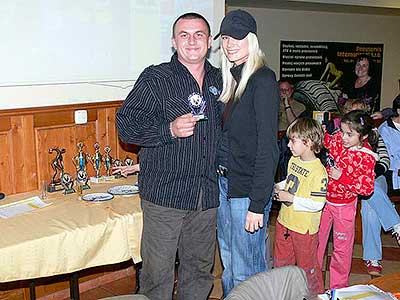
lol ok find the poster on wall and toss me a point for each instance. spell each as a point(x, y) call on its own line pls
point(326, 74)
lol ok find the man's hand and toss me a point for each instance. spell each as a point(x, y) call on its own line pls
point(254, 221)
point(183, 126)
point(126, 170)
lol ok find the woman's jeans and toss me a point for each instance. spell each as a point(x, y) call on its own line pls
point(242, 252)
point(377, 212)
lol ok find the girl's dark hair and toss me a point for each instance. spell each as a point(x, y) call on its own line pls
point(362, 123)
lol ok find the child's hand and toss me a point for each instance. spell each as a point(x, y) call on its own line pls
point(324, 128)
point(276, 189)
point(284, 196)
point(335, 173)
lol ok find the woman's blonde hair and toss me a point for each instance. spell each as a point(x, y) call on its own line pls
point(255, 61)
point(354, 103)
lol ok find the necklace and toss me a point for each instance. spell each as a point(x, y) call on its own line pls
point(362, 81)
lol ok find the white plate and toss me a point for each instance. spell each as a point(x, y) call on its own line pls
point(97, 197)
point(123, 190)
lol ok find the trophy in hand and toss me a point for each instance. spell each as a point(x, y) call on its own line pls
point(96, 160)
point(57, 165)
point(197, 104)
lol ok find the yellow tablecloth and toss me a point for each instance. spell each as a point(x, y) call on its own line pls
point(70, 234)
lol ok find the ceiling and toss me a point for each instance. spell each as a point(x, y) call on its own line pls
point(376, 7)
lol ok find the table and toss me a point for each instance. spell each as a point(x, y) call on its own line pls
point(388, 283)
point(70, 235)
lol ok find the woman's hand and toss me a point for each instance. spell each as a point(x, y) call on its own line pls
point(126, 170)
point(254, 221)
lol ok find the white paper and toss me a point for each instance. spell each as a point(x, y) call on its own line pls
point(369, 292)
point(21, 207)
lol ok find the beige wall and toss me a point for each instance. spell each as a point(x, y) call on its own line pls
point(38, 95)
point(279, 24)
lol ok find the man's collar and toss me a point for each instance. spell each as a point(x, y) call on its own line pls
point(179, 67)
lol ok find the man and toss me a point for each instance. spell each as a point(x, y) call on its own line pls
point(289, 109)
point(178, 180)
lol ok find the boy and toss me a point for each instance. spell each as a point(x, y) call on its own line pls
point(303, 195)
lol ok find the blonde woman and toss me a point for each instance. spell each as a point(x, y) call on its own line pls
point(248, 153)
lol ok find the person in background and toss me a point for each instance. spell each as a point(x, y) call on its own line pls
point(248, 153)
point(365, 86)
point(351, 173)
point(177, 179)
point(377, 211)
point(289, 110)
point(390, 132)
point(303, 195)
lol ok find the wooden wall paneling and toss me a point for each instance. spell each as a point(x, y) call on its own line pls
point(22, 153)
point(67, 137)
point(6, 169)
point(27, 134)
point(88, 134)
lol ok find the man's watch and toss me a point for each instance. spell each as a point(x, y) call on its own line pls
point(287, 107)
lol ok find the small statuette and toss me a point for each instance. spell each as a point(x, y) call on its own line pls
point(197, 104)
point(82, 179)
point(117, 163)
point(57, 165)
point(80, 160)
point(96, 160)
point(108, 163)
point(67, 183)
point(128, 161)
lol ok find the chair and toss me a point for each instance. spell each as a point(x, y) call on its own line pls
point(286, 283)
point(127, 297)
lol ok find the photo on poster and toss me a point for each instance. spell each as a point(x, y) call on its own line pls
point(326, 74)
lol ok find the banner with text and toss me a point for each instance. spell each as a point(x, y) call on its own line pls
point(330, 63)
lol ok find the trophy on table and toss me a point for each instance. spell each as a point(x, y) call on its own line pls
point(108, 163)
point(128, 161)
point(96, 160)
point(117, 163)
point(57, 165)
point(67, 182)
point(80, 161)
point(82, 180)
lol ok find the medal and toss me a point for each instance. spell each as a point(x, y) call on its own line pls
point(197, 104)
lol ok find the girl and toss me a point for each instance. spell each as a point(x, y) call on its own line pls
point(248, 153)
point(351, 173)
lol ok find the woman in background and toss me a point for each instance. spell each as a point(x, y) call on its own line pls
point(365, 86)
